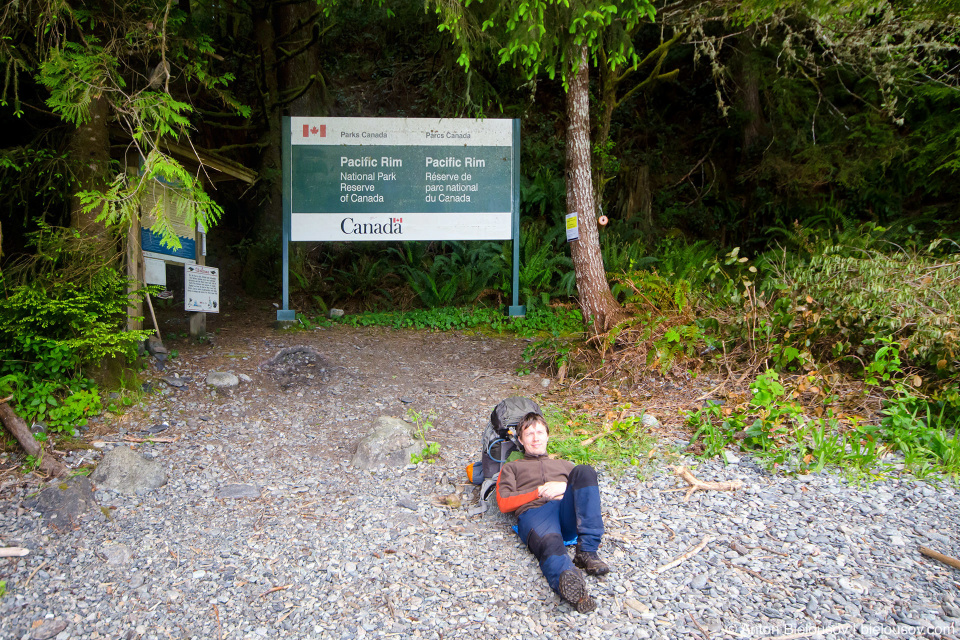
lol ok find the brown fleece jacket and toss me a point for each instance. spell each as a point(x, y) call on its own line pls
point(518, 481)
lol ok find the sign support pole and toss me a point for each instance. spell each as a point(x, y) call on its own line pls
point(516, 309)
point(286, 315)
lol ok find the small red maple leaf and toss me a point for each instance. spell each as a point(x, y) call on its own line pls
point(314, 130)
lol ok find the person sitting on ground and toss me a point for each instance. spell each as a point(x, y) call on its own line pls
point(554, 501)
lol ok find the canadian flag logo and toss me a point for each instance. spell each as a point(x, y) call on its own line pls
point(397, 220)
point(314, 130)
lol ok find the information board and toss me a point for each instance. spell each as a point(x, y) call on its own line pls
point(356, 179)
point(202, 288)
point(166, 196)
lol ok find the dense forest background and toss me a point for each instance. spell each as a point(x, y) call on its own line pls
point(752, 131)
point(778, 176)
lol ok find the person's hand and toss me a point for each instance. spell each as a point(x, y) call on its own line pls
point(552, 490)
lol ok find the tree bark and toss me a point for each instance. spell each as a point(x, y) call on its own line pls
point(298, 26)
point(749, 90)
point(19, 430)
point(635, 195)
point(90, 149)
point(596, 300)
point(269, 86)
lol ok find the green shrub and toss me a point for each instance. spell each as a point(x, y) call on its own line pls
point(61, 313)
point(846, 301)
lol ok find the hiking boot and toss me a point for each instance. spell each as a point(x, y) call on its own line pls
point(574, 590)
point(590, 562)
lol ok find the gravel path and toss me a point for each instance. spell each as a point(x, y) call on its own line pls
point(327, 551)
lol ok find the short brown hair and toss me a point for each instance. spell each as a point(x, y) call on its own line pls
point(529, 420)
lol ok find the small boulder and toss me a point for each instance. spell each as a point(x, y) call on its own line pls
point(222, 379)
point(155, 346)
point(123, 470)
point(116, 555)
point(238, 491)
point(391, 443)
point(64, 503)
point(49, 629)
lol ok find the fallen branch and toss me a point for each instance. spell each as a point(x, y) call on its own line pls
point(216, 613)
point(689, 554)
point(936, 555)
point(607, 431)
point(13, 552)
point(148, 439)
point(700, 485)
point(280, 588)
point(591, 440)
point(33, 573)
point(751, 572)
point(19, 430)
point(706, 634)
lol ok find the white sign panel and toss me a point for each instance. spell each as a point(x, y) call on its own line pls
point(202, 286)
point(154, 271)
point(573, 230)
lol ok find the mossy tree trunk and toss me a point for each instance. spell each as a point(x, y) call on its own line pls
point(596, 300)
point(90, 152)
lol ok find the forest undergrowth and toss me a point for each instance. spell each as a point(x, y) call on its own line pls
point(836, 348)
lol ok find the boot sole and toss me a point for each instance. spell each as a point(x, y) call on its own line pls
point(574, 590)
point(593, 572)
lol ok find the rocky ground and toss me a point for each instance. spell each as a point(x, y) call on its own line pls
point(313, 548)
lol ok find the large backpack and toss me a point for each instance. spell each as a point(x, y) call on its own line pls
point(499, 440)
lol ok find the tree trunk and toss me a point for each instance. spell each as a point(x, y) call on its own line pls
point(302, 72)
point(749, 85)
point(269, 85)
point(19, 430)
point(90, 149)
point(596, 300)
point(635, 196)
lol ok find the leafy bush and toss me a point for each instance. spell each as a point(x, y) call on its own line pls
point(772, 425)
point(61, 406)
point(848, 300)
point(60, 313)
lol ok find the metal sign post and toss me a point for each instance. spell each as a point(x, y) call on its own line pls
point(286, 314)
point(363, 179)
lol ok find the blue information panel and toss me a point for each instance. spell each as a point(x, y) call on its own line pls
point(353, 179)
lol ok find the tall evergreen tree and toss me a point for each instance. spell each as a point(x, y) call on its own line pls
point(560, 38)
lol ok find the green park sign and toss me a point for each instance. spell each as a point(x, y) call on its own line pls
point(401, 179)
point(363, 179)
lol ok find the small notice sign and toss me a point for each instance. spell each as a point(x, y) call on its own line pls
point(573, 231)
point(202, 286)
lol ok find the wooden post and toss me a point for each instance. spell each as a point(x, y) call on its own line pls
point(135, 275)
point(198, 320)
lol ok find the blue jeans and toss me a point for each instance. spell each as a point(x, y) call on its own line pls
point(577, 514)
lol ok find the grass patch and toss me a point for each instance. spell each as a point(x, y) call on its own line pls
point(536, 322)
point(625, 444)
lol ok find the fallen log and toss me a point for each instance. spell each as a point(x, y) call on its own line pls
point(695, 484)
point(936, 555)
point(19, 430)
